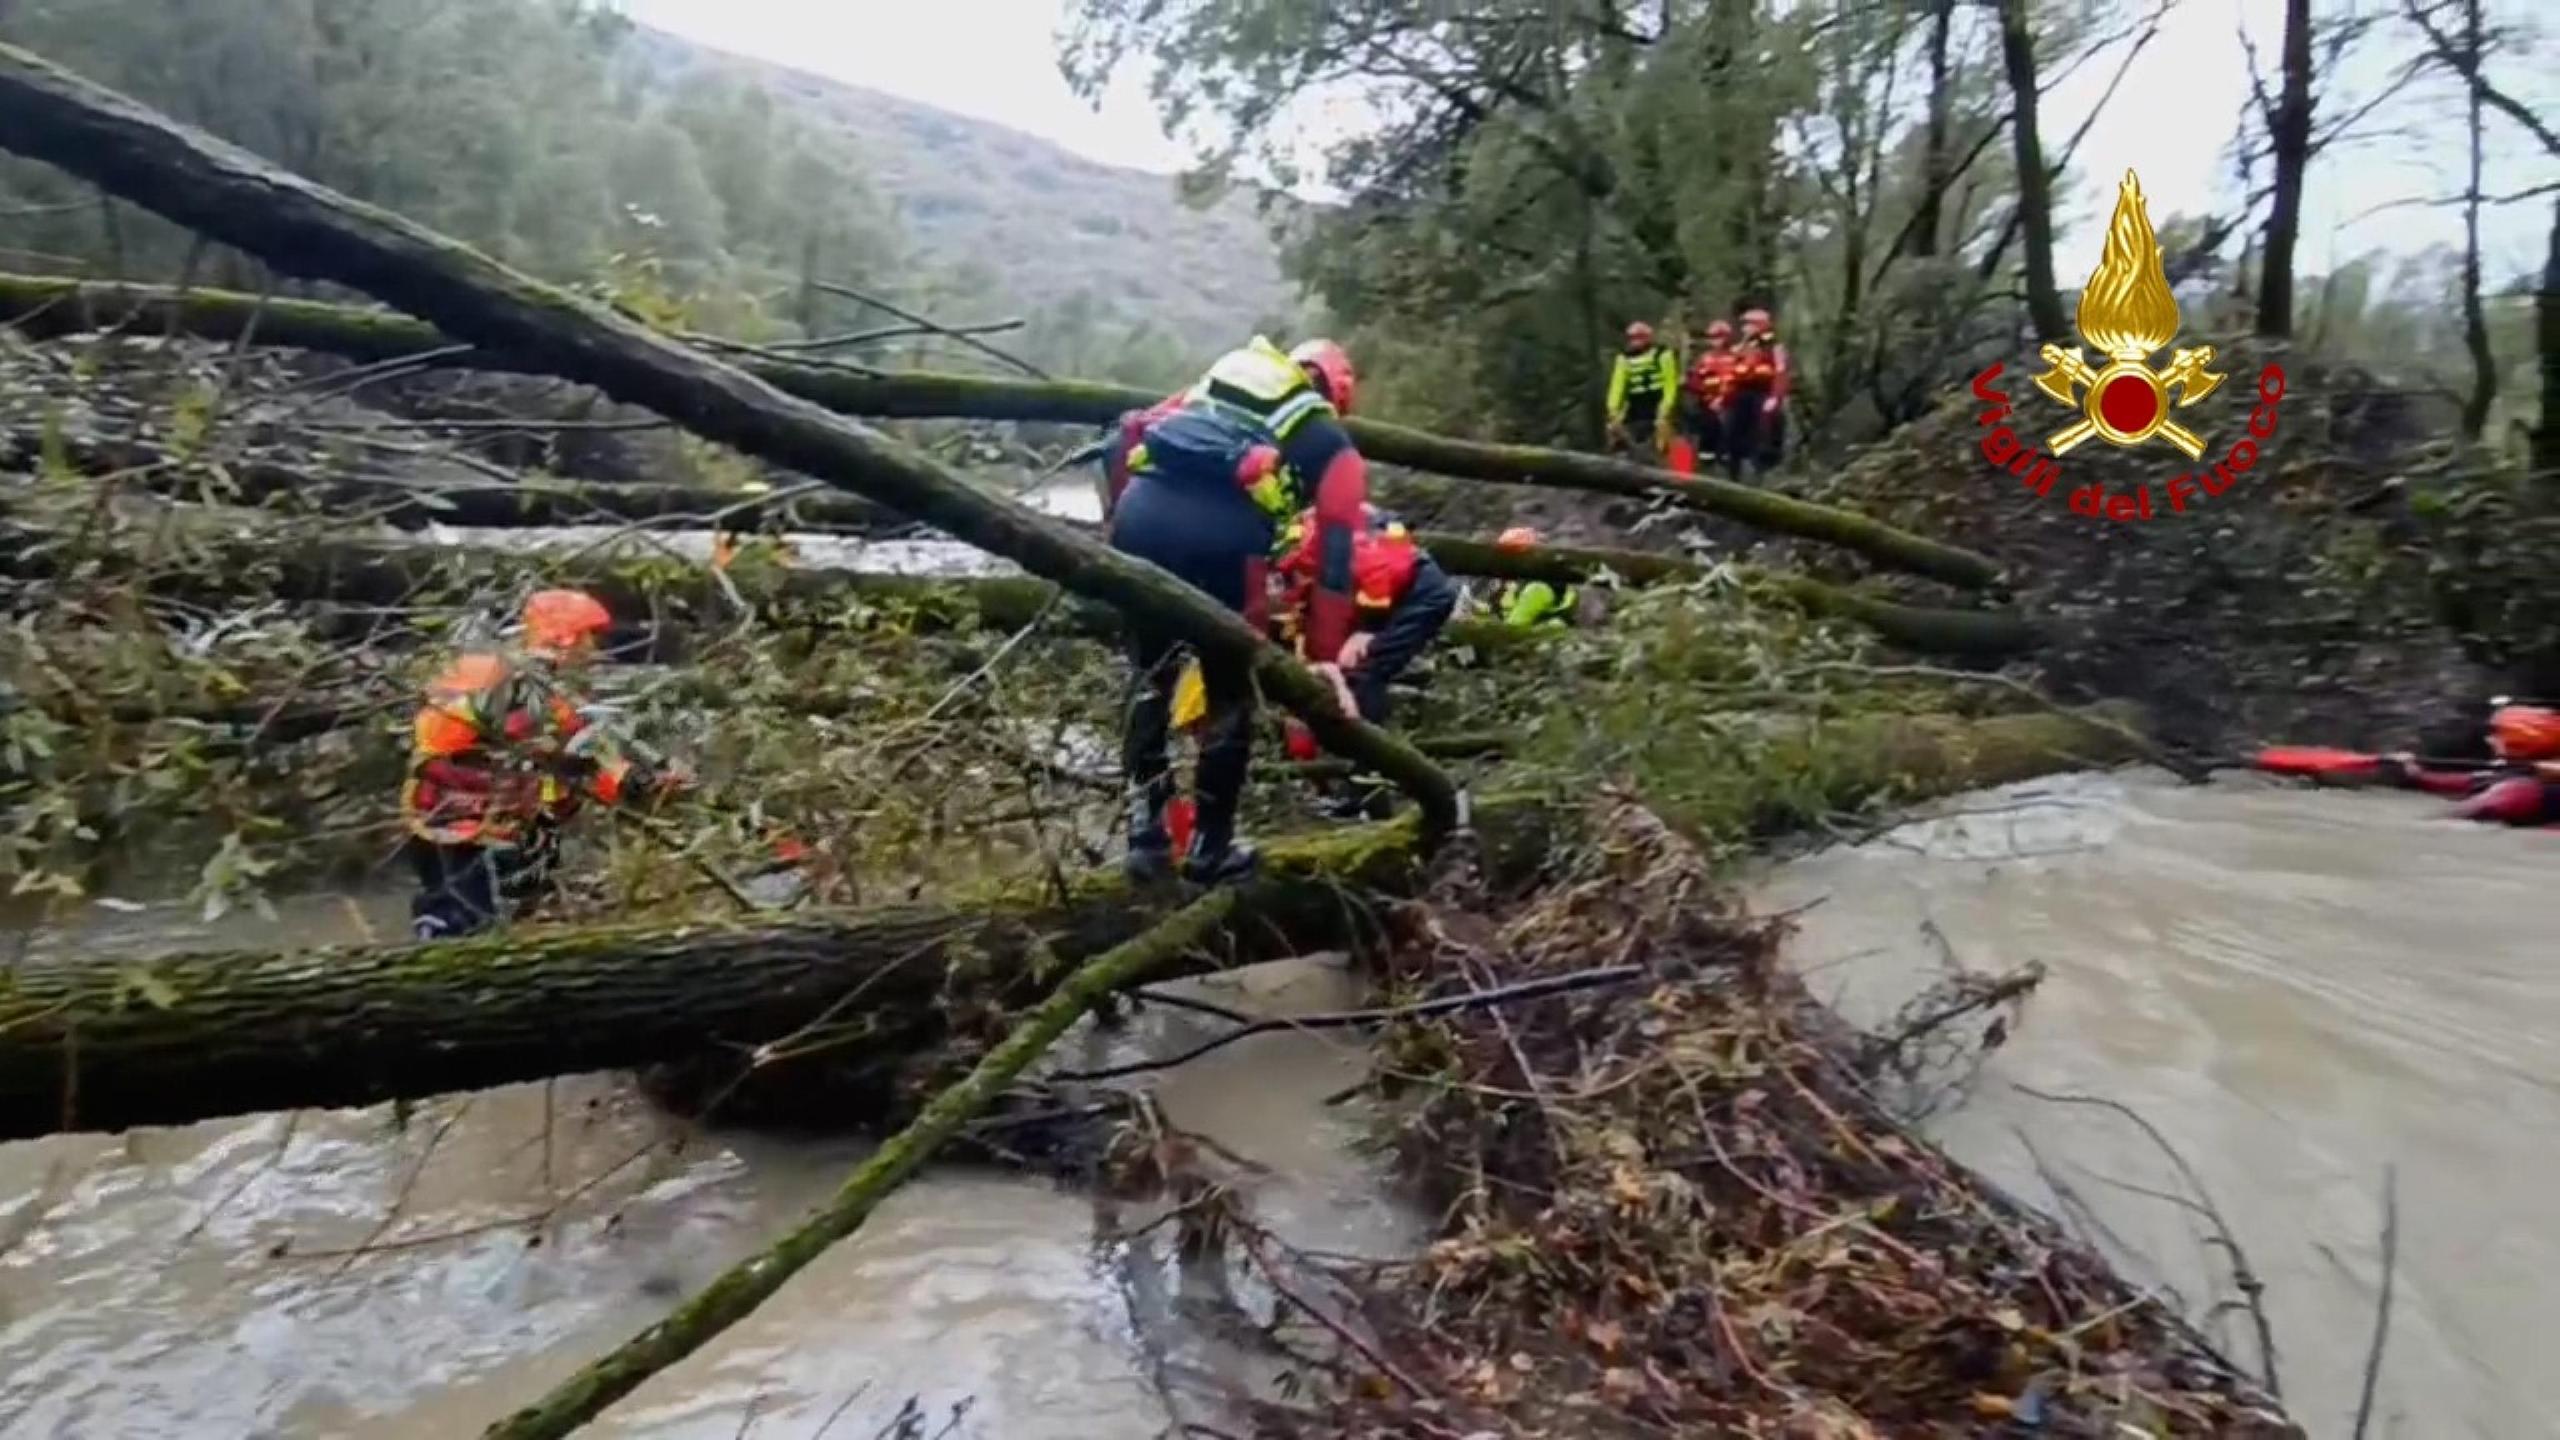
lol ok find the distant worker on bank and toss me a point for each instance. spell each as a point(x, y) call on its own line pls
point(1703, 392)
point(1401, 600)
point(1756, 398)
point(500, 758)
point(1644, 385)
point(1200, 485)
point(2524, 789)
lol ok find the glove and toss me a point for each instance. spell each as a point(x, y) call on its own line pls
point(1617, 432)
point(1770, 406)
point(1661, 439)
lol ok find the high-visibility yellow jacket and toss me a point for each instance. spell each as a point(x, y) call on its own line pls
point(1644, 383)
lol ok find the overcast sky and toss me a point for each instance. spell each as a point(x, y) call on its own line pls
point(996, 59)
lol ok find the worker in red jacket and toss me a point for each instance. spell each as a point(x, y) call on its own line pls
point(499, 759)
point(1401, 599)
point(2525, 787)
point(1703, 392)
point(1756, 395)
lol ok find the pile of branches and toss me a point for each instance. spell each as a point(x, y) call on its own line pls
point(1688, 1213)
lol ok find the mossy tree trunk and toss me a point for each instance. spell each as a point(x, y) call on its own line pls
point(186, 1037)
point(51, 305)
point(305, 229)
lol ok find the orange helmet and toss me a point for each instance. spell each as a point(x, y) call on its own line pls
point(1516, 539)
point(1639, 334)
point(1329, 366)
point(1719, 329)
point(563, 619)
point(2525, 732)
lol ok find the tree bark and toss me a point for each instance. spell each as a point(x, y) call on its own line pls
point(52, 306)
point(488, 504)
point(188, 1037)
point(1920, 239)
point(2475, 319)
point(2546, 328)
point(2289, 142)
point(2035, 183)
point(296, 226)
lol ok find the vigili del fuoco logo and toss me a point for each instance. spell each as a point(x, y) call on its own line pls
point(2127, 314)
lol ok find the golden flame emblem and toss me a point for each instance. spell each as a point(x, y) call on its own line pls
point(2127, 314)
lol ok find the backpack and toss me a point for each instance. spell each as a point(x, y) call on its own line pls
point(1208, 445)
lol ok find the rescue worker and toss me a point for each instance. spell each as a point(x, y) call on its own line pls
point(1756, 396)
point(1528, 604)
point(1200, 485)
point(2523, 790)
point(1644, 385)
point(499, 759)
point(1704, 397)
point(1401, 599)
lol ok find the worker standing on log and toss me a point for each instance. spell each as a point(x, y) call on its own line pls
point(1401, 599)
point(1200, 485)
point(1756, 408)
point(499, 759)
point(1644, 384)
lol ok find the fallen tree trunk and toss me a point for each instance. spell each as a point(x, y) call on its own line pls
point(358, 570)
point(189, 1037)
point(302, 228)
point(408, 504)
point(749, 1283)
point(43, 305)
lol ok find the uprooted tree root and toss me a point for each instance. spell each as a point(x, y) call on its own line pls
point(1687, 1212)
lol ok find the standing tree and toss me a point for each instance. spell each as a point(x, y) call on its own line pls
point(2035, 182)
point(2288, 124)
point(2466, 56)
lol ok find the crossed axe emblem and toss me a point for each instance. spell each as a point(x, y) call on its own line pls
point(2127, 402)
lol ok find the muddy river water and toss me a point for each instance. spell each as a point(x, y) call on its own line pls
point(2297, 989)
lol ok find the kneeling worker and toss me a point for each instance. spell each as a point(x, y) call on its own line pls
point(499, 759)
point(1401, 599)
point(1530, 604)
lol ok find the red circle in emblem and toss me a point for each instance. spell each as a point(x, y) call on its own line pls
point(2129, 404)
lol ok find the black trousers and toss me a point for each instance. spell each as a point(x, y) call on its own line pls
point(1212, 538)
point(465, 889)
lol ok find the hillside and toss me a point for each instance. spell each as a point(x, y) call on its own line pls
point(1046, 223)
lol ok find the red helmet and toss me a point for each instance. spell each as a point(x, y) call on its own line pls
point(1756, 321)
point(1516, 539)
point(1639, 334)
point(1329, 366)
point(2526, 732)
point(1719, 329)
point(563, 619)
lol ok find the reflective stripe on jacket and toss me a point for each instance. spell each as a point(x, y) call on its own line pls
point(491, 754)
point(1641, 382)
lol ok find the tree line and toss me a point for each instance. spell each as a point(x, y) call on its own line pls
point(1533, 173)
point(542, 132)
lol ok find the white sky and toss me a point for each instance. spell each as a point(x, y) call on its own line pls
point(996, 60)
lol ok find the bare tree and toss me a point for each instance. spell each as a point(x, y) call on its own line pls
point(2289, 141)
point(2466, 56)
point(2035, 182)
point(2295, 135)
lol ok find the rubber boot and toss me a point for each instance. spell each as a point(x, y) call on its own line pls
point(1226, 750)
point(1150, 857)
point(1143, 759)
